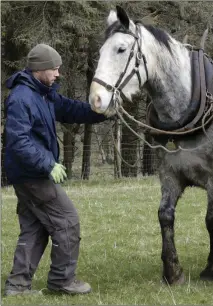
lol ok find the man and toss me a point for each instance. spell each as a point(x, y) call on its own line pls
point(31, 164)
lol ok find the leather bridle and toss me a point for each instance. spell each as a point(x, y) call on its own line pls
point(122, 82)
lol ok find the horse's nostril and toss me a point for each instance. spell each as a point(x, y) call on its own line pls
point(97, 101)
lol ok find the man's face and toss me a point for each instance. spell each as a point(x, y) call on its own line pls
point(47, 77)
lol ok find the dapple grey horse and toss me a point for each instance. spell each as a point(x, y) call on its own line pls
point(135, 56)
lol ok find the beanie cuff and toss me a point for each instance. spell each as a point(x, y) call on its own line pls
point(39, 66)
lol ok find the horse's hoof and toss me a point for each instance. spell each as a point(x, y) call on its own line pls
point(178, 281)
point(206, 275)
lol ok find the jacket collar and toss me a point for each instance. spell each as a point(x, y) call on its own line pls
point(26, 77)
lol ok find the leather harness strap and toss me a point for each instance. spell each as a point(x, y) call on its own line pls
point(192, 110)
point(202, 72)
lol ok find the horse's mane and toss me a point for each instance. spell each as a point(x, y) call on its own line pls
point(161, 36)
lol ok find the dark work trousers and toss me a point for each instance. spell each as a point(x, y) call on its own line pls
point(44, 210)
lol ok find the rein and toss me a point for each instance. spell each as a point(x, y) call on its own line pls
point(145, 126)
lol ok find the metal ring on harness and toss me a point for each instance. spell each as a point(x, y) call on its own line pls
point(109, 87)
point(139, 56)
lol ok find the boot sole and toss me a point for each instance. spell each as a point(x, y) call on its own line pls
point(61, 290)
point(14, 293)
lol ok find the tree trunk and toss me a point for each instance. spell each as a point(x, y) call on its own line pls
point(148, 158)
point(69, 149)
point(103, 155)
point(148, 153)
point(130, 143)
point(117, 149)
point(69, 133)
point(85, 173)
point(129, 154)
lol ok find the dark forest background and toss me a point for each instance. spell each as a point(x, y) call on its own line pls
point(75, 29)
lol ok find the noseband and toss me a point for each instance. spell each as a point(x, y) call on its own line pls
point(121, 83)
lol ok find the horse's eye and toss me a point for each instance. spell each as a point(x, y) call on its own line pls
point(121, 50)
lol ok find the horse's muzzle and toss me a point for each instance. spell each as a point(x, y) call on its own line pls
point(99, 98)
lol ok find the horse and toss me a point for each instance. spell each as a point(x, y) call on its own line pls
point(136, 56)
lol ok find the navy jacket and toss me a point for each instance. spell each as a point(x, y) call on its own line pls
point(31, 141)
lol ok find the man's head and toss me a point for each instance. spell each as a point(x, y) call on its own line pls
point(44, 61)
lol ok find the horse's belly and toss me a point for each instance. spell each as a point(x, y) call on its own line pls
point(188, 167)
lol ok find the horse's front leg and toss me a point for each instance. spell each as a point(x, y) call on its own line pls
point(207, 273)
point(171, 191)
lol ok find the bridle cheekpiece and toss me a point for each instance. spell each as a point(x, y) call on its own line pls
point(122, 82)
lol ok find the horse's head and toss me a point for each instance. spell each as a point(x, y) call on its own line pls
point(122, 68)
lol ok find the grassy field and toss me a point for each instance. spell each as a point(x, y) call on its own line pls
point(121, 246)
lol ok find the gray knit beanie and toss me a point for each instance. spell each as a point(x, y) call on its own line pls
point(43, 57)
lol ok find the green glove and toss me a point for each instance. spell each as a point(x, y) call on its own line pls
point(58, 173)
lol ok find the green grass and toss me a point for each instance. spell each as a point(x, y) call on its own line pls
point(121, 246)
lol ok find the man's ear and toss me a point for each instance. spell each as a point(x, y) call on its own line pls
point(122, 16)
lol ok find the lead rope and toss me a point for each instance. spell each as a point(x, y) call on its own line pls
point(123, 160)
point(147, 126)
point(143, 139)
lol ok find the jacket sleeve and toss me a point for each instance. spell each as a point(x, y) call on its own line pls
point(74, 111)
point(18, 128)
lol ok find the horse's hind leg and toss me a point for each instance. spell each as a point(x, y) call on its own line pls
point(207, 273)
point(171, 191)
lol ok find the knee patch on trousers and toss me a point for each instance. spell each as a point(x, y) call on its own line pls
point(66, 235)
point(66, 242)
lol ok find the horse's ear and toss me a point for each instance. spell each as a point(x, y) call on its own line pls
point(112, 18)
point(122, 16)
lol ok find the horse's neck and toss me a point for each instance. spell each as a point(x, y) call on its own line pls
point(169, 79)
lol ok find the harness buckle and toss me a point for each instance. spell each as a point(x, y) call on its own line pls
point(139, 56)
point(109, 87)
